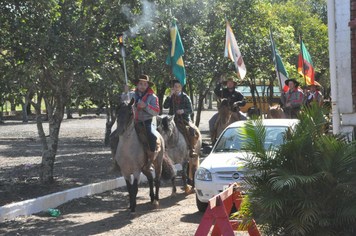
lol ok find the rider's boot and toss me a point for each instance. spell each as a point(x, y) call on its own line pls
point(192, 152)
point(150, 157)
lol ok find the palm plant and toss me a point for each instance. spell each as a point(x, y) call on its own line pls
point(307, 185)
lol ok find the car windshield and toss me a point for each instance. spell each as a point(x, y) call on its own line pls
point(232, 141)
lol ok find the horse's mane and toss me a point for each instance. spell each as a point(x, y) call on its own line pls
point(165, 123)
point(275, 111)
point(224, 102)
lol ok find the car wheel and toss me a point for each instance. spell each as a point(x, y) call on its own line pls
point(201, 205)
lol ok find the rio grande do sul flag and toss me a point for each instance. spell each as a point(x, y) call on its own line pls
point(305, 65)
point(232, 51)
point(281, 71)
point(174, 58)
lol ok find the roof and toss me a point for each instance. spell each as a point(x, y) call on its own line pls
point(268, 122)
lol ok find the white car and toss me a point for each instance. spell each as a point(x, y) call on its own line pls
point(224, 164)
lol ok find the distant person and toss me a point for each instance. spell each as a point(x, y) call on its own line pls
point(180, 106)
point(235, 98)
point(313, 95)
point(292, 99)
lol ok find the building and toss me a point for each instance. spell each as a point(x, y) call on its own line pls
point(342, 52)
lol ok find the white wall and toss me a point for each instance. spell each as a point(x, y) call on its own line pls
point(343, 56)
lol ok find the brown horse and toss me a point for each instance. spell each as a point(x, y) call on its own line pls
point(131, 157)
point(224, 120)
point(276, 112)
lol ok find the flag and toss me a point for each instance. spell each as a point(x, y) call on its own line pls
point(282, 74)
point(306, 64)
point(232, 51)
point(175, 53)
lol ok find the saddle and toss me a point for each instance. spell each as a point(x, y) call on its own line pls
point(183, 128)
point(142, 137)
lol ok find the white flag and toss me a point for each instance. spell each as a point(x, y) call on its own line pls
point(233, 52)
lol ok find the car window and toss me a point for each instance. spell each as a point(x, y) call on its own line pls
point(232, 141)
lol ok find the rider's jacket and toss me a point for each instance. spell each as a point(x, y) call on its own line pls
point(234, 96)
point(294, 97)
point(182, 101)
point(151, 100)
point(309, 97)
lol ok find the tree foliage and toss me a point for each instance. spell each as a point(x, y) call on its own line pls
point(67, 52)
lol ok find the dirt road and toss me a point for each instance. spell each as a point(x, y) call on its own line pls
point(82, 159)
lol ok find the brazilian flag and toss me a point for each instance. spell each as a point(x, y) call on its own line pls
point(175, 53)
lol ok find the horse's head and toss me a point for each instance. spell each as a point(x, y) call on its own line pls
point(125, 116)
point(276, 112)
point(166, 125)
point(224, 109)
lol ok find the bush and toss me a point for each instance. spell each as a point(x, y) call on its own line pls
point(307, 185)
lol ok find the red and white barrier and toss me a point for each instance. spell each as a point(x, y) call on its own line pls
point(218, 209)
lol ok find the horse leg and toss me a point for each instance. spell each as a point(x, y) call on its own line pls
point(174, 188)
point(194, 169)
point(158, 185)
point(150, 182)
point(132, 189)
point(185, 177)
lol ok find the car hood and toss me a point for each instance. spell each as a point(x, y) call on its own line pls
point(230, 161)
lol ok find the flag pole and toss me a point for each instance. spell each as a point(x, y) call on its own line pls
point(301, 50)
point(123, 54)
point(275, 59)
point(170, 51)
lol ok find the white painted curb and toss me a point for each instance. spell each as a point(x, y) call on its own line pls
point(32, 206)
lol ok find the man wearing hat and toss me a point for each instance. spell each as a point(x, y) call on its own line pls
point(292, 99)
point(313, 95)
point(146, 107)
point(180, 105)
point(236, 99)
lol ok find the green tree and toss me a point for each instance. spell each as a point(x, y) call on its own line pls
point(61, 40)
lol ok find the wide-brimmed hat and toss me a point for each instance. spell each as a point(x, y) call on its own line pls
point(229, 79)
point(296, 82)
point(315, 83)
point(144, 78)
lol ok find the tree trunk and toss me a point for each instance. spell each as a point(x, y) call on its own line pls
point(49, 150)
point(200, 105)
point(68, 111)
point(24, 111)
point(160, 95)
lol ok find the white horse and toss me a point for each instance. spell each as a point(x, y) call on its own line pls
point(131, 157)
point(178, 149)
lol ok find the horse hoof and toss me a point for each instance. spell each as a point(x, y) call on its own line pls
point(188, 190)
point(133, 214)
point(174, 194)
point(155, 204)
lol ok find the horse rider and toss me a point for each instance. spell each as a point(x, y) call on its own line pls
point(146, 107)
point(235, 97)
point(182, 105)
point(313, 94)
point(292, 99)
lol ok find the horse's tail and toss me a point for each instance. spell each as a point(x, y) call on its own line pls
point(168, 169)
